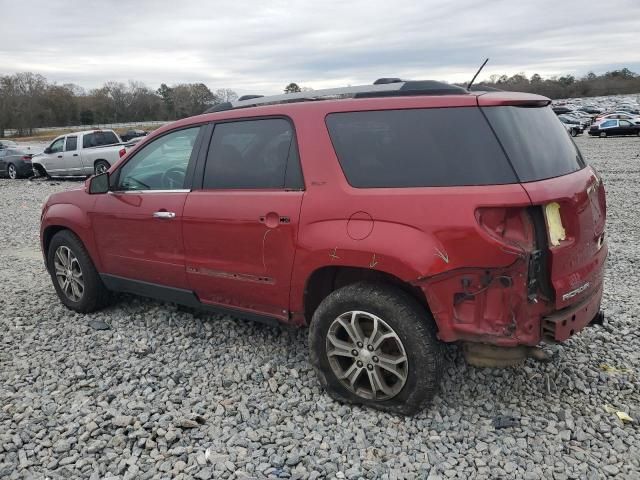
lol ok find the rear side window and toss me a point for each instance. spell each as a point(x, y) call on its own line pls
point(536, 144)
point(608, 123)
point(72, 144)
point(97, 139)
point(434, 147)
point(251, 154)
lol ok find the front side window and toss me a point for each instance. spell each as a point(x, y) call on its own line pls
point(161, 164)
point(57, 146)
point(624, 123)
point(72, 144)
point(251, 154)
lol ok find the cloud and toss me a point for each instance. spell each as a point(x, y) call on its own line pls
point(256, 46)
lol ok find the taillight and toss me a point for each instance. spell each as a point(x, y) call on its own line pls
point(122, 152)
point(511, 226)
point(26, 158)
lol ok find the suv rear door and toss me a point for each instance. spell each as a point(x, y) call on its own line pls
point(241, 222)
point(138, 223)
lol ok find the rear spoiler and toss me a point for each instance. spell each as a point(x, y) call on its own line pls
point(495, 99)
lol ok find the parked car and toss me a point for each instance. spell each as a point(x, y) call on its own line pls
point(573, 130)
point(368, 218)
point(572, 121)
point(131, 134)
point(618, 116)
point(4, 143)
point(561, 109)
point(15, 162)
point(590, 109)
point(612, 127)
point(79, 154)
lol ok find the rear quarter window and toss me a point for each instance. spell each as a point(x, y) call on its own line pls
point(537, 145)
point(434, 147)
point(97, 139)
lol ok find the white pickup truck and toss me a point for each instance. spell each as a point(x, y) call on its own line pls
point(79, 154)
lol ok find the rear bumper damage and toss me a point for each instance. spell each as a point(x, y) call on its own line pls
point(562, 324)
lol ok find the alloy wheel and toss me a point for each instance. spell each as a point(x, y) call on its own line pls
point(13, 172)
point(68, 273)
point(367, 355)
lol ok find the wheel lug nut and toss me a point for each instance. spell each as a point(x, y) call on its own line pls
point(375, 359)
point(359, 363)
point(354, 352)
point(370, 348)
point(369, 366)
point(360, 345)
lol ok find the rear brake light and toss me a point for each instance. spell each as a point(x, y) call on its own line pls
point(122, 152)
point(511, 226)
point(26, 158)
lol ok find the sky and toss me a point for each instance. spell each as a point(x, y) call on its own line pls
point(259, 46)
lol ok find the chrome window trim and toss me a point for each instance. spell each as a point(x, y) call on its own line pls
point(136, 192)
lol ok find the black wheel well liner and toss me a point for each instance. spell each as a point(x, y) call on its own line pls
point(48, 234)
point(325, 280)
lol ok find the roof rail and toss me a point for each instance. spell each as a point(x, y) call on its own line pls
point(384, 87)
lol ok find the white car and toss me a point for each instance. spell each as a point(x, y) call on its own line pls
point(619, 116)
point(79, 154)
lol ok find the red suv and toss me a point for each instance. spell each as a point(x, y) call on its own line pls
point(387, 218)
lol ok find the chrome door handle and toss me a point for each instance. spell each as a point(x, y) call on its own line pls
point(163, 215)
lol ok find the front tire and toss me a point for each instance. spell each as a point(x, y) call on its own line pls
point(574, 132)
point(74, 275)
point(12, 171)
point(603, 134)
point(373, 344)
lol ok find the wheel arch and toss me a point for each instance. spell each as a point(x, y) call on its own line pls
point(64, 216)
point(324, 280)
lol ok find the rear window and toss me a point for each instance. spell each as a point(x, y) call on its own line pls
point(536, 144)
point(434, 147)
point(97, 139)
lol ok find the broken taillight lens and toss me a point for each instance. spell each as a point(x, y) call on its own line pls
point(122, 152)
point(511, 226)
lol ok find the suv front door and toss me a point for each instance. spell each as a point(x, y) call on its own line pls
point(138, 223)
point(241, 223)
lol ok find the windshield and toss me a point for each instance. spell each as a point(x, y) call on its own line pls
point(535, 142)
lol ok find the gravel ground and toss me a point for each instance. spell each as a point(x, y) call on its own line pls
point(165, 393)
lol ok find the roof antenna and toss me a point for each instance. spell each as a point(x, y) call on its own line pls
point(477, 73)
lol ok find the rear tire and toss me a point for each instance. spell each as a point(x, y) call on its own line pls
point(12, 171)
point(100, 166)
point(574, 132)
point(408, 360)
point(74, 275)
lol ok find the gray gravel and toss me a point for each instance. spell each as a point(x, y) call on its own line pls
point(158, 392)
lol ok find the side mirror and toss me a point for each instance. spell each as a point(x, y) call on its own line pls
point(47, 150)
point(99, 184)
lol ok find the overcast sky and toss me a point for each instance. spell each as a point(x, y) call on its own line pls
point(258, 46)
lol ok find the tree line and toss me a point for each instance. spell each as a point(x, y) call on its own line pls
point(615, 82)
point(28, 100)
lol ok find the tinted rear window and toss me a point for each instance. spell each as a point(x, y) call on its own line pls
point(97, 139)
point(535, 141)
point(418, 148)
